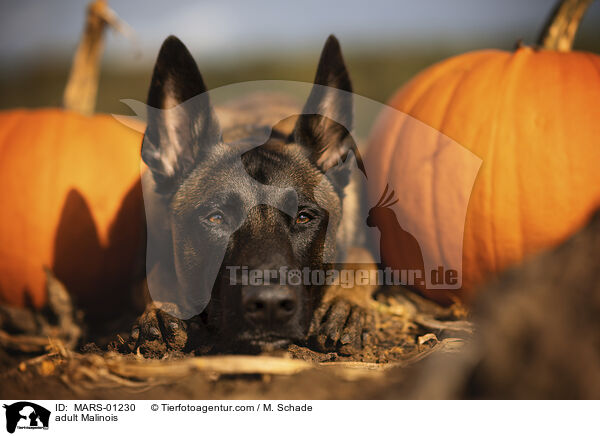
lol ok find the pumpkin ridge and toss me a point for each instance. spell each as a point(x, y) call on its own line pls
point(483, 190)
point(517, 63)
point(483, 135)
point(441, 131)
point(462, 82)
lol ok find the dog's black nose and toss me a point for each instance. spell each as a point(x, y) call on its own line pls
point(269, 306)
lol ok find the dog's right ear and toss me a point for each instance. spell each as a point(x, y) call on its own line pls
point(326, 121)
point(181, 120)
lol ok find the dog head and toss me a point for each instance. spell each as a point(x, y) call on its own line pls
point(230, 208)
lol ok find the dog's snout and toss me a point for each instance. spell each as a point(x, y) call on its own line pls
point(269, 306)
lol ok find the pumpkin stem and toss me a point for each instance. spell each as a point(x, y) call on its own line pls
point(82, 85)
point(560, 29)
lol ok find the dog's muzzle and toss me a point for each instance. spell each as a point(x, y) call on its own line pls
point(269, 307)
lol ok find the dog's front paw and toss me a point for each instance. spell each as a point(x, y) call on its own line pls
point(157, 333)
point(338, 325)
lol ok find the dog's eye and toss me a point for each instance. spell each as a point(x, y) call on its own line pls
point(216, 218)
point(303, 218)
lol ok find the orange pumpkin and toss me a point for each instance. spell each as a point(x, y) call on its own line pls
point(71, 201)
point(533, 117)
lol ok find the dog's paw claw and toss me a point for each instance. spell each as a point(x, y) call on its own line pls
point(351, 339)
point(158, 333)
point(338, 325)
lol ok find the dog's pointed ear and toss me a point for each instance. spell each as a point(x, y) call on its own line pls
point(181, 120)
point(326, 120)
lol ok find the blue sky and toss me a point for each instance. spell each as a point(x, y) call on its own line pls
point(228, 29)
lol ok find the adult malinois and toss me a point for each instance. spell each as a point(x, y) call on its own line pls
point(257, 186)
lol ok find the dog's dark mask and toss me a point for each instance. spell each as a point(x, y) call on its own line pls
point(219, 204)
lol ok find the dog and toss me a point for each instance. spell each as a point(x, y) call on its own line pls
point(258, 185)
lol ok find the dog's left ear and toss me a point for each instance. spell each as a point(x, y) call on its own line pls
point(326, 121)
point(181, 120)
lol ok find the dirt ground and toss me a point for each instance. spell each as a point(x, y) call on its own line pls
point(406, 328)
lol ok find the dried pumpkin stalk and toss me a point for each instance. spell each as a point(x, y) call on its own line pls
point(82, 86)
point(559, 32)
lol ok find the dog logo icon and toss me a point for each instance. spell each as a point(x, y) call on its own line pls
point(26, 415)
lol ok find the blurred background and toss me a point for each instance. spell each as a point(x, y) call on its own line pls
point(385, 41)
